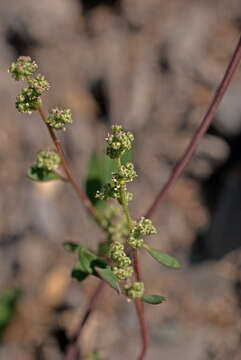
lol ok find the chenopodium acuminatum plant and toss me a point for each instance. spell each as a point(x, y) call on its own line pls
point(113, 262)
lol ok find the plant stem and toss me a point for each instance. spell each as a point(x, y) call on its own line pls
point(72, 347)
point(181, 164)
point(84, 198)
point(138, 302)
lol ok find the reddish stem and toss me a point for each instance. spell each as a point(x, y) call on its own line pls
point(178, 169)
point(84, 198)
point(140, 308)
point(72, 348)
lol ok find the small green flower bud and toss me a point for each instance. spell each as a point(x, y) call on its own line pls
point(118, 142)
point(22, 68)
point(122, 273)
point(58, 118)
point(135, 290)
point(49, 160)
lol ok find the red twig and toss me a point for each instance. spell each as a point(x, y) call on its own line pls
point(84, 198)
point(200, 131)
point(72, 347)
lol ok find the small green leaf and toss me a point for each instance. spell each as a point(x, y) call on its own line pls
point(153, 299)
point(162, 258)
point(7, 304)
point(70, 246)
point(108, 276)
point(40, 174)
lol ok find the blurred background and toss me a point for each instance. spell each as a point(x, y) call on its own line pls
point(152, 66)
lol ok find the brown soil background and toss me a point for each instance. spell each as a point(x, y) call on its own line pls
point(152, 66)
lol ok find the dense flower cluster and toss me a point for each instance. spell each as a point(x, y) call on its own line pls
point(29, 98)
point(59, 118)
point(123, 270)
point(135, 290)
point(49, 160)
point(39, 85)
point(27, 101)
point(125, 174)
point(118, 142)
point(143, 227)
point(23, 68)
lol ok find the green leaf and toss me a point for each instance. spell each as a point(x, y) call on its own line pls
point(127, 157)
point(77, 272)
point(39, 174)
point(153, 299)
point(86, 264)
point(108, 276)
point(85, 261)
point(70, 246)
point(94, 178)
point(7, 304)
point(162, 258)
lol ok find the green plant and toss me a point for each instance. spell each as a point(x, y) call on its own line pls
point(117, 259)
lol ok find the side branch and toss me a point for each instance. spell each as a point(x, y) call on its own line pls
point(85, 200)
point(181, 164)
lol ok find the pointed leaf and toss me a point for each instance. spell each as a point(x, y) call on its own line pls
point(40, 174)
point(162, 258)
point(108, 276)
point(70, 246)
point(153, 299)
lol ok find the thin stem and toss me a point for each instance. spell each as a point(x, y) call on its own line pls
point(181, 164)
point(138, 302)
point(72, 347)
point(84, 198)
point(140, 308)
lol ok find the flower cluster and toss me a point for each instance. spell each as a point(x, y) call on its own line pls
point(108, 191)
point(39, 85)
point(143, 227)
point(23, 68)
point(49, 160)
point(118, 142)
point(123, 270)
point(135, 290)
point(58, 118)
point(125, 174)
point(27, 101)
point(29, 98)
